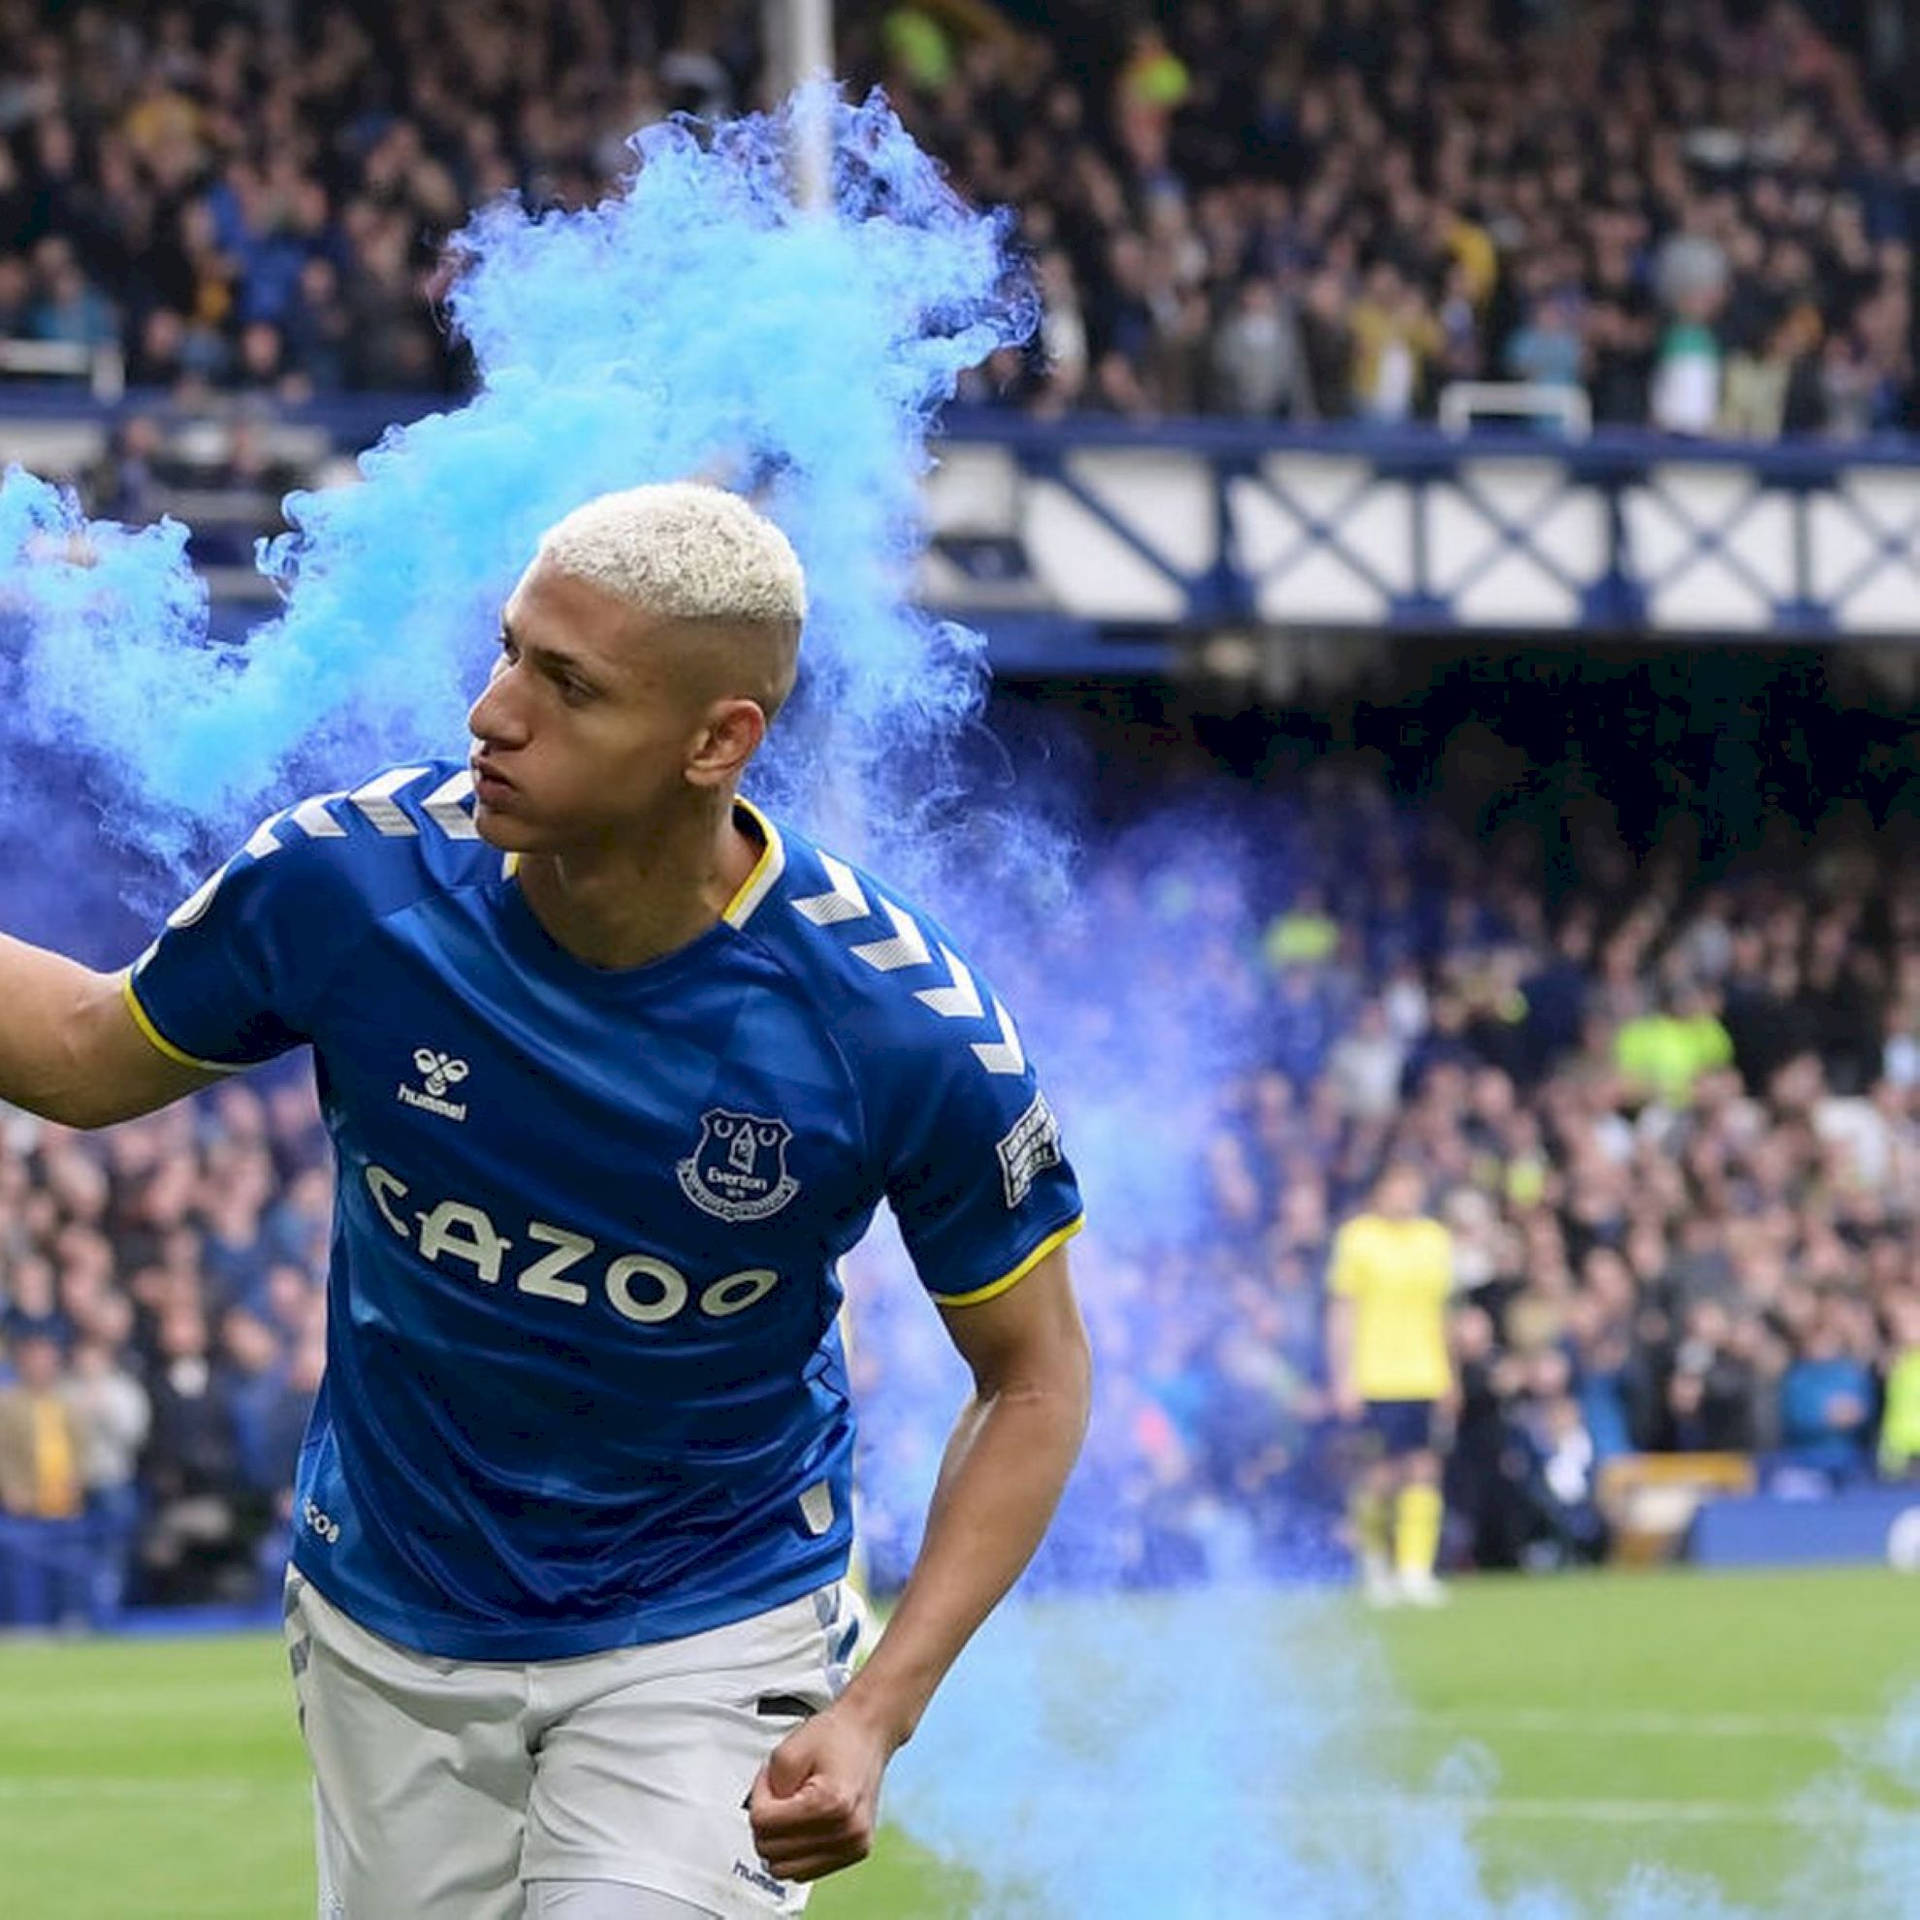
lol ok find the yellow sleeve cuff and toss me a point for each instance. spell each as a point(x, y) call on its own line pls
point(994, 1288)
point(159, 1041)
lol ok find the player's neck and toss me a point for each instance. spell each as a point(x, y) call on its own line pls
point(622, 906)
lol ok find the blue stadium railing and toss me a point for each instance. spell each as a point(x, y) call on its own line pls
point(1099, 544)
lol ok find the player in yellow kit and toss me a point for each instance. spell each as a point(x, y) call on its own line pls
point(1391, 1372)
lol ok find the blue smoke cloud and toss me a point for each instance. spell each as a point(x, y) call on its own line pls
point(1861, 1825)
point(697, 322)
point(1194, 1757)
point(1194, 1754)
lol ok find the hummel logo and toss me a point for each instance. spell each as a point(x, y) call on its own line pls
point(761, 1878)
point(438, 1071)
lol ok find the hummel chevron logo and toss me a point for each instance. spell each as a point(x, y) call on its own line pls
point(314, 818)
point(378, 806)
point(845, 902)
point(907, 948)
point(263, 841)
point(1005, 1055)
point(446, 807)
point(961, 1001)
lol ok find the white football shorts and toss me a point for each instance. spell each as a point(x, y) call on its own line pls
point(442, 1787)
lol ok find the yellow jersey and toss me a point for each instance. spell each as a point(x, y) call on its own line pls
point(1398, 1274)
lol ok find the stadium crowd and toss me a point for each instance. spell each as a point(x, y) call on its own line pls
point(1652, 1039)
point(1666, 1099)
point(1329, 209)
point(1701, 213)
point(164, 1328)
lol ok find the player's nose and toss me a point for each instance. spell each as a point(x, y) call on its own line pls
point(493, 719)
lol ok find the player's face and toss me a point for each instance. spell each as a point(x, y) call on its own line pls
point(586, 729)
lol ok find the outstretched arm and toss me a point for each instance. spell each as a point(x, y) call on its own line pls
point(70, 1047)
point(815, 1804)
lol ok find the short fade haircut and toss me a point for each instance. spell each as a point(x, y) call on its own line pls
point(683, 551)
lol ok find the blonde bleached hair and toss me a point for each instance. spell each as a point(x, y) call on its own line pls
point(682, 550)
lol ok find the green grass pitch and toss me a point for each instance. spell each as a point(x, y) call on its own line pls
point(1675, 1720)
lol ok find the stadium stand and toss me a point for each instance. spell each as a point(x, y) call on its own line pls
point(1697, 213)
point(1657, 1045)
point(1275, 209)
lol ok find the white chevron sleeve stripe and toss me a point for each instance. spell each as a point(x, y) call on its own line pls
point(961, 1000)
point(315, 821)
point(263, 841)
point(446, 807)
point(1005, 1055)
point(907, 948)
point(377, 805)
point(845, 902)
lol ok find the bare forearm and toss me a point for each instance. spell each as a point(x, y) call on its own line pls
point(999, 1484)
point(69, 1047)
point(43, 1002)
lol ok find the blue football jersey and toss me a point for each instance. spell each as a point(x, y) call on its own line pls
point(585, 1385)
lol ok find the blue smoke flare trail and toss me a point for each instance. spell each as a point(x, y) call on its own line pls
point(1862, 1826)
point(1199, 1756)
point(1107, 1749)
point(694, 322)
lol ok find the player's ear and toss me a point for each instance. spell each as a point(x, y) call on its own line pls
point(729, 737)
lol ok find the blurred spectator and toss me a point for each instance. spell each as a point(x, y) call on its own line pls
point(1549, 349)
point(42, 1496)
point(1303, 935)
point(112, 1416)
point(1365, 1065)
point(1900, 1424)
point(1560, 1484)
point(1827, 1402)
point(192, 1545)
point(1686, 376)
point(1776, 391)
point(126, 484)
point(16, 290)
point(1259, 360)
point(66, 306)
point(1663, 1055)
point(1395, 337)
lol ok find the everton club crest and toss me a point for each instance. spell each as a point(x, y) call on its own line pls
point(739, 1169)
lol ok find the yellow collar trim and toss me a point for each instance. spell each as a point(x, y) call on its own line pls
point(757, 885)
point(766, 870)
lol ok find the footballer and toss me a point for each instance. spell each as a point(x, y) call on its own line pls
point(1391, 1372)
point(616, 1069)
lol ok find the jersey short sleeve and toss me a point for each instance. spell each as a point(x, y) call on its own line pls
point(234, 975)
point(977, 1178)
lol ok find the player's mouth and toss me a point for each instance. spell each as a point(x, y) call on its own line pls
point(489, 786)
